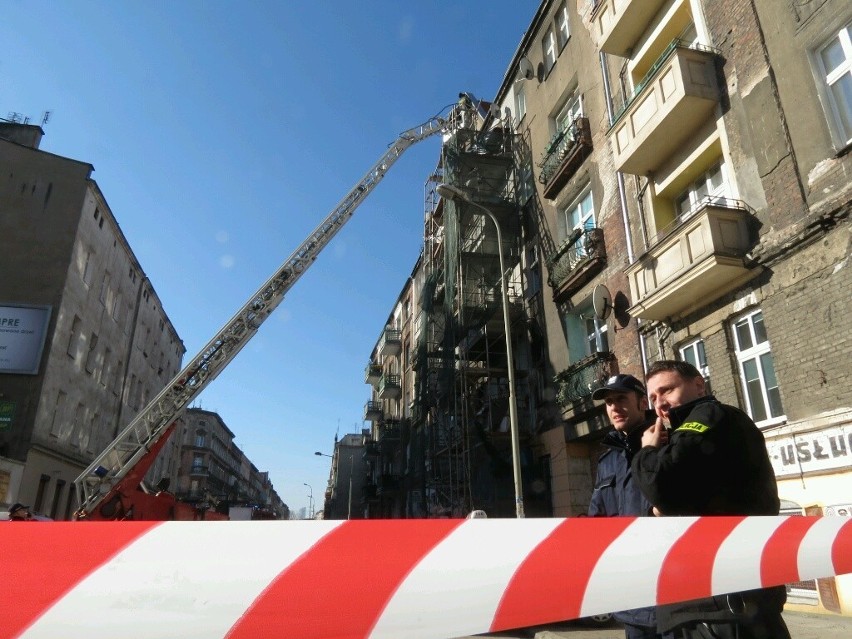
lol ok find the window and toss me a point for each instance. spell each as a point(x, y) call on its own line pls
point(57, 493)
point(106, 371)
point(562, 28)
point(570, 111)
point(90, 356)
point(87, 266)
point(116, 307)
point(548, 49)
point(693, 352)
point(526, 182)
point(74, 337)
point(200, 438)
point(43, 481)
point(197, 464)
point(708, 186)
point(520, 104)
point(77, 426)
point(58, 409)
point(580, 215)
point(835, 60)
point(585, 333)
point(757, 370)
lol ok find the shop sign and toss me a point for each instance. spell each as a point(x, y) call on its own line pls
point(826, 449)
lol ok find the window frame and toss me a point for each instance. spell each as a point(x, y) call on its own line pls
point(576, 205)
point(562, 25)
point(754, 353)
point(691, 193)
point(520, 103)
point(694, 345)
point(549, 51)
point(841, 131)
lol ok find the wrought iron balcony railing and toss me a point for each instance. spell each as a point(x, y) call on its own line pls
point(581, 248)
point(582, 378)
point(564, 154)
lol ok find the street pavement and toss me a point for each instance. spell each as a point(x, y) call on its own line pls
point(801, 625)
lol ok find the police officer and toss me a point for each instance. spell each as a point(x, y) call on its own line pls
point(616, 494)
point(712, 462)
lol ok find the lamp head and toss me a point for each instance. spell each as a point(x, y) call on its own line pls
point(450, 192)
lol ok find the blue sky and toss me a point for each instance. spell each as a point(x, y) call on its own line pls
point(221, 134)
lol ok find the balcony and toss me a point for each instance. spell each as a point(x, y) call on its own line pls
point(576, 261)
point(618, 24)
point(372, 374)
point(563, 155)
point(199, 469)
point(697, 261)
point(389, 387)
point(677, 95)
point(582, 378)
point(390, 429)
point(373, 411)
point(391, 343)
point(371, 449)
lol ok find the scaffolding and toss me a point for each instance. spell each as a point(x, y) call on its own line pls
point(460, 407)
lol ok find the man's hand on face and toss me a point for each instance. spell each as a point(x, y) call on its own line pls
point(656, 435)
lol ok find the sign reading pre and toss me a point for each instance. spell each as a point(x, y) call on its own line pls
point(22, 333)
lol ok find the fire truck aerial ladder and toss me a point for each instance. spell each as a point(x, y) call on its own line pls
point(111, 487)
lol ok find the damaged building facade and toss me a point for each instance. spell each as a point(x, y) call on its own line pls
point(672, 178)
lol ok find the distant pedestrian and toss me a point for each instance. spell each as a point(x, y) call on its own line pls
point(19, 512)
point(616, 494)
point(713, 461)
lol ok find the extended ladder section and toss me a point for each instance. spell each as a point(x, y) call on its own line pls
point(119, 458)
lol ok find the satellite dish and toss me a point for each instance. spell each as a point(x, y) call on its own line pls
point(601, 301)
point(525, 69)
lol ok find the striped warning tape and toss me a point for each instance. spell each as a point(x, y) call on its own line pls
point(388, 578)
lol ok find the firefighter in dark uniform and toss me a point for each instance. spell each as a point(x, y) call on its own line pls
point(712, 462)
point(616, 494)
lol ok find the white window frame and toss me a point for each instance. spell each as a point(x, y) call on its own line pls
point(563, 26)
point(548, 49)
point(842, 122)
point(702, 189)
point(596, 333)
point(586, 334)
point(570, 111)
point(586, 220)
point(698, 356)
point(520, 103)
point(754, 353)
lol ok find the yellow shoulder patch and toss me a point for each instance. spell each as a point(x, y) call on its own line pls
point(696, 427)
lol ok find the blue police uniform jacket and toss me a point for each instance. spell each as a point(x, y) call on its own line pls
point(616, 494)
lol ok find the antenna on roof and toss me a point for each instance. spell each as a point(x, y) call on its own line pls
point(45, 117)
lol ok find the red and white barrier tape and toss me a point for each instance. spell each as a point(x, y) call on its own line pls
point(386, 578)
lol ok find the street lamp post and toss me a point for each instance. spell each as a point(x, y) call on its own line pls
point(454, 193)
point(351, 462)
point(311, 501)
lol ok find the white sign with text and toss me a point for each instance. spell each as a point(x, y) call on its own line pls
point(22, 333)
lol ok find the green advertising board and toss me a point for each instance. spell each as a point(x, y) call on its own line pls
point(7, 412)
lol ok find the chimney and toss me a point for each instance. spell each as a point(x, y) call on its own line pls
point(24, 134)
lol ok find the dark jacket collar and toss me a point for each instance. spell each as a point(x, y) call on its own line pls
point(677, 415)
point(630, 442)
